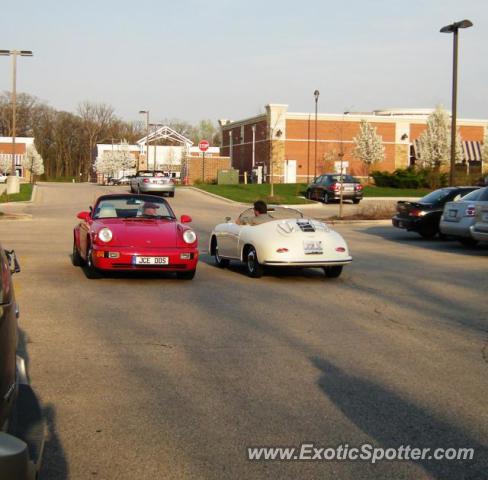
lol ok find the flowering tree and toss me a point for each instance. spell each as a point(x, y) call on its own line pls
point(112, 162)
point(368, 146)
point(484, 149)
point(435, 141)
point(5, 163)
point(33, 162)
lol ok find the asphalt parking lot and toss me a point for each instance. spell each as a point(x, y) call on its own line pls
point(145, 376)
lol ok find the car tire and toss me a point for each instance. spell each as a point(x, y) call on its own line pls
point(356, 200)
point(171, 194)
point(76, 257)
point(325, 198)
point(428, 232)
point(219, 261)
point(91, 271)
point(334, 271)
point(253, 267)
point(307, 194)
point(186, 275)
point(468, 242)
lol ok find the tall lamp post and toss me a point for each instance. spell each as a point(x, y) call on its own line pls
point(146, 112)
point(12, 180)
point(316, 94)
point(454, 28)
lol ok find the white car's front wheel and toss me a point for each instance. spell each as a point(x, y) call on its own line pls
point(254, 268)
point(220, 261)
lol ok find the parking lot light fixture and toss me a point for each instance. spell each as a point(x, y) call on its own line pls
point(13, 182)
point(454, 28)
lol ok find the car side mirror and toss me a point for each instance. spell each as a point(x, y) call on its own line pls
point(14, 458)
point(228, 219)
point(13, 263)
point(185, 219)
point(84, 216)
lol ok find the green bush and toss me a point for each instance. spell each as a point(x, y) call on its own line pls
point(410, 178)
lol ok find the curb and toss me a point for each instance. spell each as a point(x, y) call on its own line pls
point(235, 202)
point(25, 202)
point(358, 222)
point(15, 216)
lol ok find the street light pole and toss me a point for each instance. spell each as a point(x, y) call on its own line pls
point(454, 29)
point(13, 185)
point(316, 95)
point(146, 112)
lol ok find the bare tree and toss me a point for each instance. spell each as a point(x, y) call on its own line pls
point(97, 119)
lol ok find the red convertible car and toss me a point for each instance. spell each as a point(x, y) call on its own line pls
point(134, 232)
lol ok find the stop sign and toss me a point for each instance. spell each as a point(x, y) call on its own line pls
point(203, 145)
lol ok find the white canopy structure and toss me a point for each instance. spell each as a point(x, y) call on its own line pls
point(165, 133)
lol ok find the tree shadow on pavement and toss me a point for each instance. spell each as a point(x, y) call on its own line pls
point(54, 465)
point(392, 421)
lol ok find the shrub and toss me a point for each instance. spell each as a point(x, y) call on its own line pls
point(411, 178)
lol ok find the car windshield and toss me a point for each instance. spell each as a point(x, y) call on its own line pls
point(436, 196)
point(274, 213)
point(133, 206)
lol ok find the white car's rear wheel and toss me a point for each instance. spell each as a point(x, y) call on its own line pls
point(333, 272)
point(254, 268)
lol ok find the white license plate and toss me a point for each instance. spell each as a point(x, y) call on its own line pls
point(137, 260)
point(348, 188)
point(452, 213)
point(312, 247)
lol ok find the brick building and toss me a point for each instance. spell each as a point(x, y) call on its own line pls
point(279, 137)
point(6, 147)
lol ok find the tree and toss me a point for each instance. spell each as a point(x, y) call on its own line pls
point(368, 146)
point(33, 162)
point(435, 141)
point(484, 149)
point(96, 121)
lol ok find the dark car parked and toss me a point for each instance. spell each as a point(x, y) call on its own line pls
point(327, 187)
point(424, 216)
point(21, 424)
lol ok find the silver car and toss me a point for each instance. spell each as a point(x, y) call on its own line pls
point(459, 216)
point(479, 231)
point(152, 181)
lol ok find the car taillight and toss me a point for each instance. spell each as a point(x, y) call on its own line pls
point(416, 213)
point(340, 249)
point(282, 250)
point(359, 186)
point(470, 211)
point(335, 186)
point(146, 180)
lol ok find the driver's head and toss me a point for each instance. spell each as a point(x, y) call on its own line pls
point(149, 209)
point(260, 208)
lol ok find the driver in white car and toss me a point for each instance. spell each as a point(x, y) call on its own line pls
point(260, 215)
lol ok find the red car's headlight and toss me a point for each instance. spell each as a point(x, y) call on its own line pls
point(105, 235)
point(189, 236)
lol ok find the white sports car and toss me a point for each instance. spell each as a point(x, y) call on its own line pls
point(286, 239)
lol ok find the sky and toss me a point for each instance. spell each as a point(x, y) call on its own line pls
point(193, 59)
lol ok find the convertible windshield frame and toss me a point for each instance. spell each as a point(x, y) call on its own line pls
point(131, 207)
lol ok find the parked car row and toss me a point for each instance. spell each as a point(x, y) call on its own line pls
point(456, 212)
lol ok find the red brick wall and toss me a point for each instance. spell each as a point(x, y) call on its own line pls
point(212, 166)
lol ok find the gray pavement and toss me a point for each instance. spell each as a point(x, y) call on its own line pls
point(147, 377)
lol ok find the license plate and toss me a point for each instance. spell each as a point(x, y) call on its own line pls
point(137, 260)
point(452, 213)
point(311, 247)
point(348, 188)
